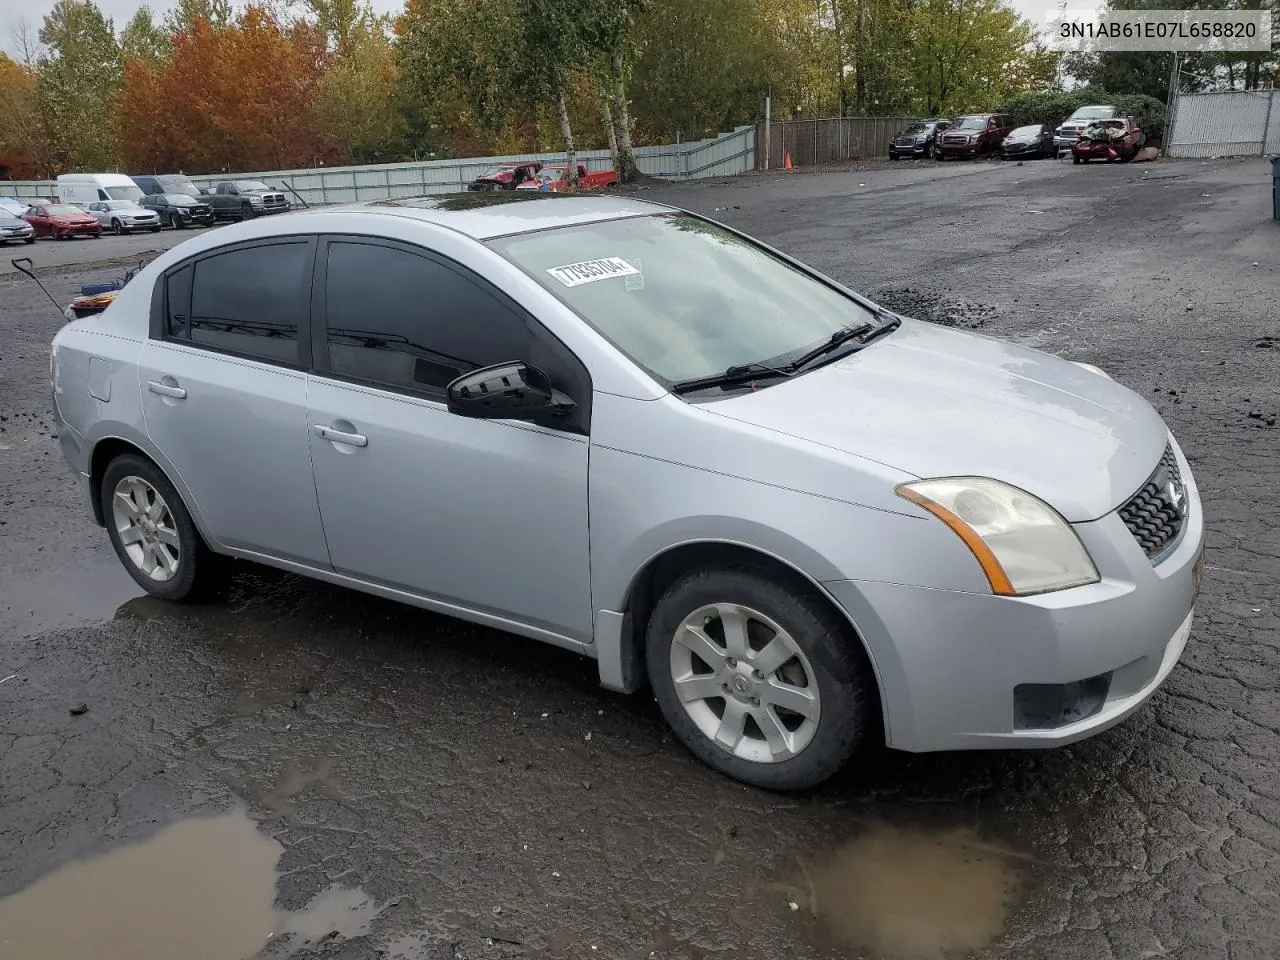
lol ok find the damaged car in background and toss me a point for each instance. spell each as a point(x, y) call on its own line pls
point(807, 523)
point(1115, 139)
point(506, 176)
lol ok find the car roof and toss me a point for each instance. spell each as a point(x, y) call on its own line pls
point(483, 216)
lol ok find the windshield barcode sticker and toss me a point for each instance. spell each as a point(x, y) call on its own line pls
point(589, 271)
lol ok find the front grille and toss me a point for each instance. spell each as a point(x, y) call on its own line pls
point(1156, 513)
point(956, 140)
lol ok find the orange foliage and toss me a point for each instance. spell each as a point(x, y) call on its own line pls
point(233, 99)
point(21, 134)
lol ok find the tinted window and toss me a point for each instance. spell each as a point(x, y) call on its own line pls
point(252, 301)
point(397, 318)
point(178, 299)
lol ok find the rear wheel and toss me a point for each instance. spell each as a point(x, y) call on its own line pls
point(152, 532)
point(761, 681)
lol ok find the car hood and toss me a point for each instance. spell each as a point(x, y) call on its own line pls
point(934, 402)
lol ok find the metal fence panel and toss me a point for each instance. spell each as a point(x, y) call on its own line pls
point(1229, 124)
point(723, 155)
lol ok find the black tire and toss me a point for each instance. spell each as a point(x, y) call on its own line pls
point(843, 675)
point(155, 229)
point(893, 156)
point(117, 227)
point(198, 571)
point(96, 236)
point(30, 239)
point(928, 151)
point(175, 221)
point(1076, 160)
point(246, 212)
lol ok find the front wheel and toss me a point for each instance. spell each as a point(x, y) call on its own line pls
point(175, 221)
point(152, 532)
point(117, 227)
point(761, 681)
point(31, 239)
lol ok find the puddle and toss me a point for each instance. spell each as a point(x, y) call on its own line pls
point(70, 596)
point(202, 889)
point(912, 895)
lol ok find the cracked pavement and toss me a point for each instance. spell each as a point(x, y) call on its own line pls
point(493, 801)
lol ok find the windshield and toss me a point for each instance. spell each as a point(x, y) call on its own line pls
point(681, 297)
point(915, 129)
point(124, 193)
point(501, 168)
point(7, 214)
point(1092, 113)
point(179, 199)
point(251, 186)
point(182, 187)
point(1030, 131)
point(120, 205)
point(62, 210)
point(971, 123)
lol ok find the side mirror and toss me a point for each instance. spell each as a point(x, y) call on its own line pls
point(507, 391)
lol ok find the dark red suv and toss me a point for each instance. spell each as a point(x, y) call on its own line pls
point(974, 134)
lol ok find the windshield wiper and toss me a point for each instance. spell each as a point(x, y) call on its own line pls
point(738, 373)
point(833, 342)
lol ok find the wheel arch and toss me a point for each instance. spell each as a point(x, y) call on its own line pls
point(108, 448)
point(620, 635)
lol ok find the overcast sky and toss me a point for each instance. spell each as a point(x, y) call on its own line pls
point(11, 11)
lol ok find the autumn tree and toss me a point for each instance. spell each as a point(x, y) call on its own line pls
point(78, 73)
point(26, 150)
point(185, 14)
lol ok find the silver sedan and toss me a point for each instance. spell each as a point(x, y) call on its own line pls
point(124, 216)
point(805, 522)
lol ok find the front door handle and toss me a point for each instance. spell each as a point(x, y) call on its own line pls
point(165, 390)
point(339, 436)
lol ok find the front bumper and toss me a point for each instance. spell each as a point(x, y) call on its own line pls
point(957, 671)
point(958, 149)
point(73, 229)
point(908, 149)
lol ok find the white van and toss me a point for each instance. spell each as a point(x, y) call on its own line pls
point(82, 188)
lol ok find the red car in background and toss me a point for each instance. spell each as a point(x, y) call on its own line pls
point(557, 177)
point(1117, 139)
point(505, 176)
point(61, 221)
point(973, 135)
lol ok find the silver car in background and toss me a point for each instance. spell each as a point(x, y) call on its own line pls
point(807, 523)
point(123, 216)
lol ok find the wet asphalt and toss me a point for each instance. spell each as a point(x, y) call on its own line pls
point(420, 788)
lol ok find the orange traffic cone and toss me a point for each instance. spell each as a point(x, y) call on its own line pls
point(786, 165)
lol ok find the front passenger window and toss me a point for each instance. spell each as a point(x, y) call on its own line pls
point(400, 319)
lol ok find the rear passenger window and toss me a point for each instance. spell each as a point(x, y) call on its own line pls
point(252, 301)
point(178, 298)
point(400, 319)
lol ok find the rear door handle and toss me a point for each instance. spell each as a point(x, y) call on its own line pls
point(338, 436)
point(177, 393)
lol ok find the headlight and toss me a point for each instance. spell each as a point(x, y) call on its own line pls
point(255, 201)
point(1021, 543)
point(1092, 369)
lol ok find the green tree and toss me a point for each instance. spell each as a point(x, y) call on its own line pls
point(186, 12)
point(355, 104)
point(143, 38)
point(77, 77)
point(972, 54)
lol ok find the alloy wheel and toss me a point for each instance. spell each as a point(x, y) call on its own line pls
point(745, 683)
point(146, 528)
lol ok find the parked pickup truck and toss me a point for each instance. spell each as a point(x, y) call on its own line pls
point(244, 199)
point(556, 177)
